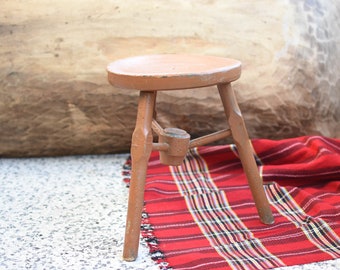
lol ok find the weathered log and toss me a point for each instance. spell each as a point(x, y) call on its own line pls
point(55, 98)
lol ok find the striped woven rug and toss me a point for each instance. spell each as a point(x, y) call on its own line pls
point(200, 215)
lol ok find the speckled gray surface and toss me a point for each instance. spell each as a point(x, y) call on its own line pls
point(69, 213)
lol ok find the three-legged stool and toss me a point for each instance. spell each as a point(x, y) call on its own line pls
point(152, 73)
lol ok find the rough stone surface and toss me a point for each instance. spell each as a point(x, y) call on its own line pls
point(69, 213)
point(54, 94)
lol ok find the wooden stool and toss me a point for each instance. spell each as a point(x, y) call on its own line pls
point(153, 73)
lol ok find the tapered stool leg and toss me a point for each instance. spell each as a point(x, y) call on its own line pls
point(245, 150)
point(141, 148)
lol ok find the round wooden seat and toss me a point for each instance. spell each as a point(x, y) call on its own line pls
point(152, 73)
point(170, 72)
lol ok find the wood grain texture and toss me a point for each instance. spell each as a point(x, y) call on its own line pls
point(55, 98)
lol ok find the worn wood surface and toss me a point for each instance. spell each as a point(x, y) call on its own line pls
point(54, 94)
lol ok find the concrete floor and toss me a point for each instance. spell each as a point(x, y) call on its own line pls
point(69, 213)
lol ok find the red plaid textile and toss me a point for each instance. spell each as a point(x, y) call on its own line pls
point(201, 215)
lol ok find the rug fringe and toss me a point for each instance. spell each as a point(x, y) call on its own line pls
point(148, 236)
point(146, 228)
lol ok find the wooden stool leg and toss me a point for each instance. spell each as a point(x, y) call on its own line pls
point(141, 148)
point(245, 150)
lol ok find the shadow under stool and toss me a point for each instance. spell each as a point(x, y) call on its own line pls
point(152, 73)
